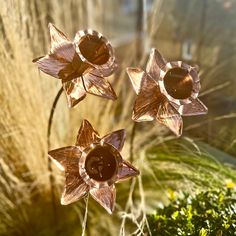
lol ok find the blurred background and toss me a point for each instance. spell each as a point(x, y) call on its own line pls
point(199, 32)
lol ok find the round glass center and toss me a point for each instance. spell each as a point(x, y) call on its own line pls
point(101, 164)
point(94, 49)
point(178, 83)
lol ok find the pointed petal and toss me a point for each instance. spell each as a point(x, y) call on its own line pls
point(168, 116)
point(63, 155)
point(196, 107)
point(87, 135)
point(74, 191)
point(71, 71)
point(75, 187)
point(65, 51)
point(67, 159)
point(57, 37)
point(148, 99)
point(99, 86)
point(75, 91)
point(127, 171)
point(135, 76)
point(116, 139)
point(106, 197)
point(155, 64)
point(50, 65)
point(62, 59)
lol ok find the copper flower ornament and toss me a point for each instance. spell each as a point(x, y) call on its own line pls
point(93, 165)
point(165, 92)
point(81, 65)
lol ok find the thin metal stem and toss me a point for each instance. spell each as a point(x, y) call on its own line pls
point(51, 115)
point(51, 177)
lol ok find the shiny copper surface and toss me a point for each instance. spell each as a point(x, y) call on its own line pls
point(165, 92)
point(81, 65)
point(178, 83)
point(93, 166)
point(94, 49)
point(101, 164)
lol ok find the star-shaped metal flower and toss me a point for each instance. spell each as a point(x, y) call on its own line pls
point(165, 92)
point(92, 166)
point(81, 65)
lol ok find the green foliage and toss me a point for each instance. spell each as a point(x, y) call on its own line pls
point(212, 212)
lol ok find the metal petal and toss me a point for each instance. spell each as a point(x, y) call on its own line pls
point(63, 155)
point(116, 139)
point(57, 37)
point(50, 65)
point(74, 191)
point(106, 197)
point(75, 91)
point(74, 68)
point(148, 100)
point(87, 135)
point(99, 86)
point(105, 72)
point(196, 107)
point(168, 116)
point(135, 75)
point(127, 171)
point(155, 64)
point(65, 51)
point(75, 187)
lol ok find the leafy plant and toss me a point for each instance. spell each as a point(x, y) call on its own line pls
point(211, 212)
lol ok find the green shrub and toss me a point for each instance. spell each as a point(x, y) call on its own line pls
point(212, 212)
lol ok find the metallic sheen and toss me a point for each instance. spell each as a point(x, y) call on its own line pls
point(165, 92)
point(81, 65)
point(93, 166)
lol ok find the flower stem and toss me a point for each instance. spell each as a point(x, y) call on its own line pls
point(51, 177)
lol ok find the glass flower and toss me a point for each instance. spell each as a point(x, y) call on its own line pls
point(81, 65)
point(93, 166)
point(165, 92)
